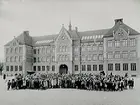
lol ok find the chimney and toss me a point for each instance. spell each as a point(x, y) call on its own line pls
point(26, 32)
point(76, 29)
point(120, 21)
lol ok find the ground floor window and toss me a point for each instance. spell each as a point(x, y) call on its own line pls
point(34, 68)
point(76, 67)
point(83, 67)
point(7, 68)
point(20, 68)
point(133, 66)
point(43, 68)
point(11, 68)
point(53, 67)
point(16, 68)
point(94, 67)
point(48, 68)
point(88, 67)
point(39, 68)
point(110, 67)
point(101, 67)
point(125, 66)
point(117, 66)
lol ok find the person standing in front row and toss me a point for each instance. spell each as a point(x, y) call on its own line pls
point(8, 85)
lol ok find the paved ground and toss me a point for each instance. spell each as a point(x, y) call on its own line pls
point(69, 96)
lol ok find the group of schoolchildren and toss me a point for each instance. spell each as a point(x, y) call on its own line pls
point(78, 81)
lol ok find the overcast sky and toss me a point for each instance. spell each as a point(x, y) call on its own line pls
point(45, 17)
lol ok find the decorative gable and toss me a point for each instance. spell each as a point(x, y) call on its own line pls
point(120, 34)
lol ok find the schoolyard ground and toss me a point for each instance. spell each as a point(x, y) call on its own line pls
point(69, 96)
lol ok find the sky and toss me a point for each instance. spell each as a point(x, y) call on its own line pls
point(45, 17)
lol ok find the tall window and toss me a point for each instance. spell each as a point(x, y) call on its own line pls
point(39, 68)
point(110, 43)
point(125, 54)
point(110, 67)
point(132, 54)
point(34, 68)
point(7, 50)
point(76, 49)
point(7, 68)
point(83, 48)
point(88, 67)
point(94, 67)
point(16, 50)
point(117, 43)
point(117, 54)
point(117, 66)
point(20, 49)
point(76, 67)
point(43, 68)
point(34, 51)
point(100, 48)
point(94, 47)
point(83, 67)
point(94, 57)
point(100, 56)
point(100, 67)
point(16, 68)
point(132, 42)
point(125, 66)
point(48, 68)
point(124, 43)
point(11, 68)
point(53, 67)
point(89, 47)
point(83, 57)
point(133, 66)
point(20, 68)
point(53, 58)
point(89, 57)
point(110, 55)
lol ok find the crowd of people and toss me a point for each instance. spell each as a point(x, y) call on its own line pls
point(78, 81)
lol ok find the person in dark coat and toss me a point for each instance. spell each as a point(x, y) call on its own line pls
point(8, 85)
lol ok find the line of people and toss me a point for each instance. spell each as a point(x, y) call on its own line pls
point(77, 81)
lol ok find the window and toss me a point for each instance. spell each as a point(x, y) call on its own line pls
point(125, 66)
point(100, 57)
point(39, 68)
point(38, 59)
point(132, 42)
point(20, 68)
point(110, 55)
point(11, 67)
point(16, 50)
point(53, 67)
point(76, 57)
point(83, 57)
point(110, 67)
point(88, 67)
point(89, 57)
point(110, 44)
point(117, 54)
point(76, 67)
point(94, 67)
point(76, 49)
point(53, 58)
point(34, 51)
point(83, 48)
point(34, 68)
point(48, 68)
point(124, 43)
point(89, 47)
point(7, 68)
point(47, 59)
point(43, 68)
point(117, 66)
point(133, 66)
point(16, 68)
point(7, 50)
point(83, 67)
point(20, 49)
point(100, 48)
point(38, 51)
point(117, 43)
point(132, 54)
point(94, 47)
point(100, 67)
point(94, 57)
point(20, 58)
point(125, 54)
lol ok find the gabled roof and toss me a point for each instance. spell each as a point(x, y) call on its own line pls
point(119, 24)
point(22, 39)
point(73, 34)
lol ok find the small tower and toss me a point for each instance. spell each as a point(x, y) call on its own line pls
point(70, 26)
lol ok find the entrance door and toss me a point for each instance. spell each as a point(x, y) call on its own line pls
point(63, 69)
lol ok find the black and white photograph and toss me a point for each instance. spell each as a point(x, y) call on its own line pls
point(69, 52)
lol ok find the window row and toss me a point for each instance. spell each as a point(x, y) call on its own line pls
point(63, 48)
point(125, 66)
point(14, 50)
point(92, 67)
point(124, 43)
point(14, 59)
point(44, 50)
point(91, 48)
point(63, 57)
point(92, 37)
point(44, 68)
point(91, 57)
point(44, 59)
point(124, 54)
point(14, 68)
